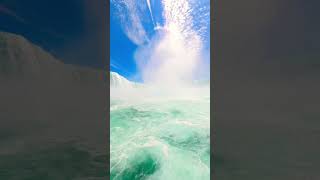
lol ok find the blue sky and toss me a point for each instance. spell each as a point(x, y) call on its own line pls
point(121, 51)
point(132, 24)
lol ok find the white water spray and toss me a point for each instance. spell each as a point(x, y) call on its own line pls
point(172, 55)
point(150, 10)
point(170, 58)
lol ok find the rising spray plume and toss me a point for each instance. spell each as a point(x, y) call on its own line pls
point(171, 55)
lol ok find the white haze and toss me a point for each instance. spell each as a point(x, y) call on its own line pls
point(170, 60)
point(132, 93)
point(173, 54)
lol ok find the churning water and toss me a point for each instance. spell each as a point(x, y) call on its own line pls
point(160, 138)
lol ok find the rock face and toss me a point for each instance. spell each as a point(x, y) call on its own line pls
point(46, 104)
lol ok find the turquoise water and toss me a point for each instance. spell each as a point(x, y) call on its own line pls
point(160, 139)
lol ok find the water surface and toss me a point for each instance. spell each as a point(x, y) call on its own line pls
point(160, 139)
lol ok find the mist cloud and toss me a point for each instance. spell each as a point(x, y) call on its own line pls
point(173, 55)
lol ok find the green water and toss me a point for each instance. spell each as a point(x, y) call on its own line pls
point(160, 140)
